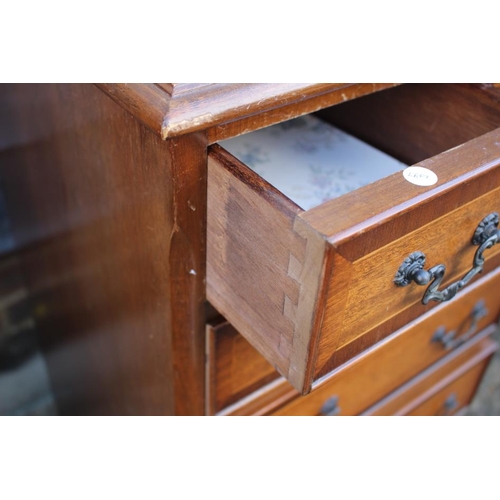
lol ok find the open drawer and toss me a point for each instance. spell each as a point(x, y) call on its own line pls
point(312, 289)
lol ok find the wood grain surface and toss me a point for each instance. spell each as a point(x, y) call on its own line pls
point(235, 368)
point(237, 124)
point(361, 382)
point(109, 224)
point(219, 103)
point(264, 401)
point(446, 239)
point(453, 398)
point(106, 189)
point(145, 101)
point(413, 314)
point(175, 109)
point(413, 122)
point(373, 297)
point(263, 271)
point(459, 372)
point(360, 239)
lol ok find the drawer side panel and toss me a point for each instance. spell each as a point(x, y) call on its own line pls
point(264, 269)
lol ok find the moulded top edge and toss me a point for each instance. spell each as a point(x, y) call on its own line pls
point(175, 109)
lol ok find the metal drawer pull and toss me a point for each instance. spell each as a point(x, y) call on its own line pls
point(412, 269)
point(450, 340)
point(451, 404)
point(331, 407)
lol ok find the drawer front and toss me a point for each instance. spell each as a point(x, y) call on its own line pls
point(443, 389)
point(454, 398)
point(361, 382)
point(303, 286)
point(373, 376)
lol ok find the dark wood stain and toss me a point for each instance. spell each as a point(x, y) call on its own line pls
point(106, 188)
point(92, 194)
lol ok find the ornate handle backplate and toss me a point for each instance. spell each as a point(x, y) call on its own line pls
point(412, 269)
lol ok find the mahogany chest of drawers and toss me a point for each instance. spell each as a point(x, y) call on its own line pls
point(167, 277)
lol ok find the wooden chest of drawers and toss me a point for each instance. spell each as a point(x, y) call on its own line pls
point(149, 216)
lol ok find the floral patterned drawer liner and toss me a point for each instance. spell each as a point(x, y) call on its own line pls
point(311, 161)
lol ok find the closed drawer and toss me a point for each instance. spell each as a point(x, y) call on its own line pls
point(372, 376)
point(312, 289)
point(453, 399)
point(444, 389)
point(361, 382)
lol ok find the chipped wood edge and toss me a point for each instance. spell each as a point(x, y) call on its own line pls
point(217, 104)
point(205, 106)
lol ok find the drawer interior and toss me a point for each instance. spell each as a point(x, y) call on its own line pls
point(304, 285)
point(315, 158)
point(413, 122)
point(311, 161)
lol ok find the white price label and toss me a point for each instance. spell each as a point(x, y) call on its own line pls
point(420, 176)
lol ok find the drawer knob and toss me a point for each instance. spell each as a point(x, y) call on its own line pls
point(412, 269)
point(449, 340)
point(331, 407)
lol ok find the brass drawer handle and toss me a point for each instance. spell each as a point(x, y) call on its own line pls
point(412, 269)
point(331, 407)
point(449, 340)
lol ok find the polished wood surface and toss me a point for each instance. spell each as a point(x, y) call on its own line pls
point(145, 101)
point(114, 242)
point(457, 318)
point(175, 109)
point(254, 261)
point(439, 379)
point(235, 368)
point(414, 122)
point(264, 401)
point(361, 382)
point(106, 190)
point(308, 103)
point(280, 274)
point(453, 398)
point(447, 241)
point(109, 223)
point(439, 222)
